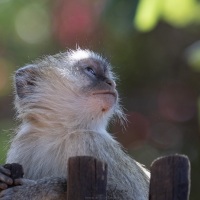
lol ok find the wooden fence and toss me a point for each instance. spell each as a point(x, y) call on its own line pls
point(87, 178)
point(170, 178)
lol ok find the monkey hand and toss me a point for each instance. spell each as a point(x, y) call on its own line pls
point(51, 188)
point(8, 175)
point(5, 179)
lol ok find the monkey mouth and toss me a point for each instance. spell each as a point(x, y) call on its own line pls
point(105, 93)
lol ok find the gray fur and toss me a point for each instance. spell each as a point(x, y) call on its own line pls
point(59, 120)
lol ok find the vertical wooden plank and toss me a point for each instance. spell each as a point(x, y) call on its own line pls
point(87, 179)
point(170, 178)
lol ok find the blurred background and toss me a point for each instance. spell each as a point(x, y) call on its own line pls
point(154, 47)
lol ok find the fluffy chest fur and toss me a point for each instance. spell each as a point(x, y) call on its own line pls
point(47, 156)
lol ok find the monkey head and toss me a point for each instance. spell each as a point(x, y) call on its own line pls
point(72, 89)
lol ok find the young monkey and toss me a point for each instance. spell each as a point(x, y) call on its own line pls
point(65, 102)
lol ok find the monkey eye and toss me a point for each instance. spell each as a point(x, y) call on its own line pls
point(90, 70)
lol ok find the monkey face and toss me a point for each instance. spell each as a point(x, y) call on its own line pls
point(97, 85)
point(77, 85)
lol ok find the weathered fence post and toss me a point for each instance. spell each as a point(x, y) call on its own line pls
point(170, 178)
point(87, 179)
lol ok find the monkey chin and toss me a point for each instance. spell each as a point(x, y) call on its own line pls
point(103, 102)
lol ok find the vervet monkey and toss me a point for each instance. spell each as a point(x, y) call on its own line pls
point(65, 103)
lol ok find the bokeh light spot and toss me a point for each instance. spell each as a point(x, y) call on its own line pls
point(32, 24)
point(193, 56)
point(74, 21)
point(179, 12)
point(147, 15)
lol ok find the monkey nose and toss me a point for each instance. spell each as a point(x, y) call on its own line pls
point(110, 83)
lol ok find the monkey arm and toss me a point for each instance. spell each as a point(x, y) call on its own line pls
point(51, 188)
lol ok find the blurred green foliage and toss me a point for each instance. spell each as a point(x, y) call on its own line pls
point(178, 13)
point(5, 135)
point(154, 48)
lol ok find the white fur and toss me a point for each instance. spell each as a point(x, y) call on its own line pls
point(58, 122)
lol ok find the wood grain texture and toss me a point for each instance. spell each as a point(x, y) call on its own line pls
point(87, 179)
point(170, 178)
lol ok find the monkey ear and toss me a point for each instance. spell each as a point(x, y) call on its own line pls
point(25, 80)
